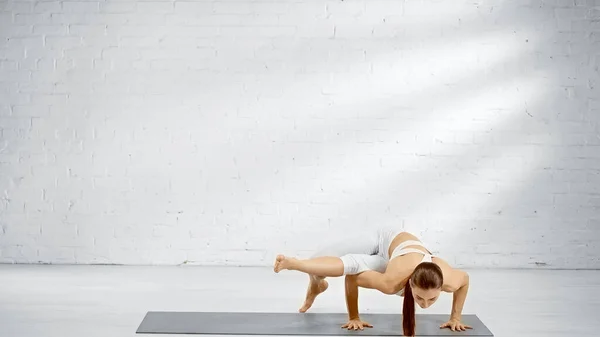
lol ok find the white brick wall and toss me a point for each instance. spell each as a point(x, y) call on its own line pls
point(225, 132)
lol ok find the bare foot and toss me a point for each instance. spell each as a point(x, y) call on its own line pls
point(282, 262)
point(314, 289)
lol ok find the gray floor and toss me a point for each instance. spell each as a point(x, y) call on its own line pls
point(88, 301)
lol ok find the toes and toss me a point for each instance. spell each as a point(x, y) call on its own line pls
point(307, 304)
point(277, 266)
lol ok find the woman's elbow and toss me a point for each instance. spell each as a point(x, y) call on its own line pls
point(389, 291)
point(389, 286)
point(464, 279)
point(459, 281)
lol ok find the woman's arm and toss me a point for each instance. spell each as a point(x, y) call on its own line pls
point(456, 281)
point(390, 282)
point(460, 285)
point(352, 297)
point(354, 321)
point(375, 280)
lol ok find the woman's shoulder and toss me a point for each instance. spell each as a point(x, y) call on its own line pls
point(453, 278)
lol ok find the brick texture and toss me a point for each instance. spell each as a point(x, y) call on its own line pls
point(224, 132)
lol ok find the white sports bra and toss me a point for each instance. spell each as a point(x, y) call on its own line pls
point(402, 250)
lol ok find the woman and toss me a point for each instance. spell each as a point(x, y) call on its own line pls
point(391, 262)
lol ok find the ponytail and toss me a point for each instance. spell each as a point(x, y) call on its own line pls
point(408, 311)
point(427, 275)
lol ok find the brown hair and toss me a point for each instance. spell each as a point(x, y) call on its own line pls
point(427, 275)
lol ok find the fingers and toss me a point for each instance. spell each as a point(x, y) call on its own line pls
point(356, 326)
point(450, 326)
point(351, 326)
point(455, 327)
point(463, 327)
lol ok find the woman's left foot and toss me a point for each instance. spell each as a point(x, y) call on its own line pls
point(314, 289)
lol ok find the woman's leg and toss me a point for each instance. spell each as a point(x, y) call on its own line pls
point(329, 261)
point(321, 266)
point(333, 260)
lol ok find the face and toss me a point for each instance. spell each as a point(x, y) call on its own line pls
point(425, 298)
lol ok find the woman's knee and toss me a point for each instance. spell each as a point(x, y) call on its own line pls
point(351, 264)
point(357, 263)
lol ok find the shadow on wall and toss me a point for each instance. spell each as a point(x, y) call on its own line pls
point(518, 156)
point(317, 139)
point(316, 153)
point(440, 131)
point(543, 210)
point(278, 168)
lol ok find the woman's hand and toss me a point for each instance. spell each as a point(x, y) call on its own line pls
point(356, 324)
point(455, 325)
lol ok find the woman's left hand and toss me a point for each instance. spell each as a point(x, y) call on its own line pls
point(455, 325)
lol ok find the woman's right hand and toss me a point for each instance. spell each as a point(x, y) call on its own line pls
point(356, 324)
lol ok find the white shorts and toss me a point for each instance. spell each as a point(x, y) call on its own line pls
point(359, 252)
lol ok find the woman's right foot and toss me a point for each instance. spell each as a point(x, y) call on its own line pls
point(282, 262)
point(314, 289)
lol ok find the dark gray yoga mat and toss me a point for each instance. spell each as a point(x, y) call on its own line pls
point(321, 324)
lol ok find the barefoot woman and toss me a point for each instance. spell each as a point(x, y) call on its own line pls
point(391, 262)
